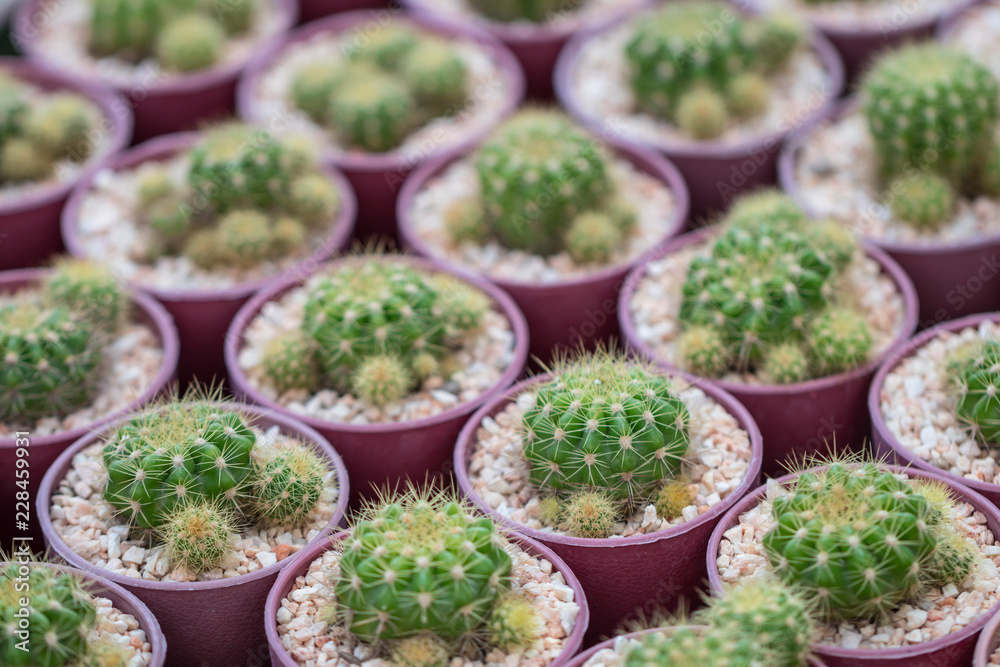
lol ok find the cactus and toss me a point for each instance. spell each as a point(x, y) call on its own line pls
point(777, 37)
point(786, 363)
point(372, 111)
point(90, 289)
point(389, 47)
point(537, 172)
point(535, 11)
point(237, 16)
point(106, 653)
point(464, 220)
point(604, 424)
point(245, 238)
point(60, 126)
point(21, 161)
point(460, 306)
point(190, 43)
point(197, 534)
point(437, 75)
point(418, 563)
point(287, 486)
point(591, 514)
point(702, 113)
point(592, 237)
point(747, 95)
point(931, 108)
point(840, 340)
point(688, 647)
point(923, 199)
point(704, 350)
point(61, 614)
point(423, 650)
point(858, 539)
point(313, 86)
point(312, 199)
point(14, 107)
point(49, 355)
point(672, 498)
point(513, 623)
point(154, 184)
point(978, 379)
point(381, 379)
point(290, 362)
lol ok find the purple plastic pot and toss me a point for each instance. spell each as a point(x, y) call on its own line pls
point(622, 575)
point(804, 417)
point(951, 278)
point(952, 650)
point(281, 658)
point(44, 450)
point(885, 443)
point(857, 45)
point(203, 316)
point(715, 171)
point(377, 177)
point(181, 102)
point(561, 316)
point(208, 623)
point(380, 455)
point(123, 601)
point(29, 224)
point(989, 640)
point(537, 46)
point(310, 10)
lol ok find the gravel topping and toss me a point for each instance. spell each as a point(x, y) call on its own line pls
point(937, 613)
point(878, 15)
point(481, 361)
point(716, 463)
point(614, 656)
point(976, 34)
point(918, 404)
point(116, 626)
point(310, 642)
point(600, 84)
point(656, 303)
point(653, 199)
point(64, 31)
point(836, 175)
point(90, 527)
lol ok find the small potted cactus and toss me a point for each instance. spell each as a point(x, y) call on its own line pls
point(534, 30)
point(911, 164)
point(756, 622)
point(195, 505)
point(53, 131)
point(714, 90)
point(203, 220)
point(789, 315)
point(79, 350)
point(422, 579)
point(385, 355)
point(176, 61)
point(607, 462)
point(548, 212)
point(932, 403)
point(52, 616)
point(898, 562)
point(382, 97)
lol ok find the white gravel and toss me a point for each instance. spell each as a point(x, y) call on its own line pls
point(653, 200)
point(715, 464)
point(130, 364)
point(614, 656)
point(64, 29)
point(110, 232)
point(588, 14)
point(869, 15)
point(600, 85)
point(116, 626)
point(976, 33)
point(311, 643)
point(91, 528)
point(656, 303)
point(481, 360)
point(836, 174)
point(938, 612)
point(489, 91)
point(918, 404)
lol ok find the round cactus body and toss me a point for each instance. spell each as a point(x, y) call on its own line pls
point(21, 161)
point(924, 199)
point(840, 340)
point(979, 385)
point(591, 514)
point(198, 533)
point(128, 29)
point(389, 47)
point(190, 43)
point(702, 113)
point(535, 11)
point(290, 362)
point(88, 288)
point(14, 106)
point(372, 111)
point(313, 86)
point(287, 486)
point(592, 237)
point(61, 126)
point(513, 623)
point(438, 76)
point(687, 647)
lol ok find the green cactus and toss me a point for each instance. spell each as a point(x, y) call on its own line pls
point(704, 350)
point(840, 340)
point(978, 380)
point(592, 237)
point(155, 184)
point(591, 514)
point(128, 29)
point(49, 357)
point(372, 111)
point(245, 238)
point(382, 379)
point(748, 95)
point(423, 650)
point(420, 563)
point(922, 199)
point(313, 85)
point(535, 11)
point(237, 16)
point(690, 647)
point(22, 161)
point(460, 306)
point(388, 47)
point(931, 108)
point(537, 172)
point(90, 289)
point(777, 38)
point(61, 126)
point(107, 653)
point(290, 362)
point(287, 486)
point(14, 107)
point(602, 423)
point(464, 220)
point(702, 113)
point(513, 623)
point(197, 533)
point(672, 498)
point(313, 199)
point(786, 363)
point(437, 75)
point(190, 43)
point(61, 615)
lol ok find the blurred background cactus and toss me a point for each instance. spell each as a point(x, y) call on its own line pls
point(182, 35)
point(605, 436)
point(535, 11)
point(381, 91)
point(451, 581)
point(545, 186)
point(40, 131)
point(703, 82)
point(245, 198)
point(975, 373)
point(765, 299)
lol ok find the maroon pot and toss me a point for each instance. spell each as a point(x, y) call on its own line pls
point(383, 455)
point(622, 576)
point(203, 316)
point(952, 650)
point(564, 315)
point(181, 102)
point(951, 279)
point(42, 451)
point(377, 177)
point(29, 224)
point(123, 601)
point(989, 640)
point(310, 10)
point(885, 443)
point(208, 623)
point(715, 171)
point(281, 658)
point(804, 417)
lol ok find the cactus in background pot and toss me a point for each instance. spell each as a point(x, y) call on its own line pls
point(535, 11)
point(977, 378)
